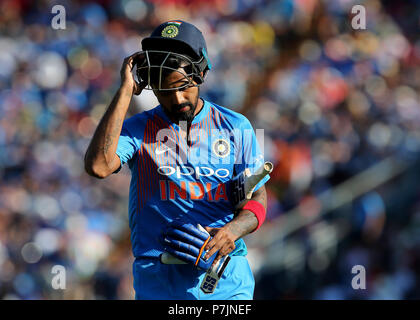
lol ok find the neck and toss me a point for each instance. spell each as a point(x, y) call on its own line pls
point(200, 105)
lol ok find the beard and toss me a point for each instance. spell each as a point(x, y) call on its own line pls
point(185, 115)
point(188, 116)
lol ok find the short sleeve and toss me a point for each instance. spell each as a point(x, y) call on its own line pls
point(248, 154)
point(127, 145)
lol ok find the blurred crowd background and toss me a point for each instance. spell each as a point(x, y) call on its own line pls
point(334, 103)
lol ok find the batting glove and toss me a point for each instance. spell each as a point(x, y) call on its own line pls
point(186, 241)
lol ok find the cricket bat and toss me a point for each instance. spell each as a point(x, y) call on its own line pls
point(243, 186)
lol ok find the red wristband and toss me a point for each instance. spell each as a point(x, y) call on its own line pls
point(258, 209)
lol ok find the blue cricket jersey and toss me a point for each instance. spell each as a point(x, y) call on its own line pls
point(173, 176)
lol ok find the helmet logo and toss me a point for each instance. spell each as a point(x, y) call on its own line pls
point(170, 31)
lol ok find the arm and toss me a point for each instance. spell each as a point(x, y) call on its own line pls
point(242, 224)
point(101, 159)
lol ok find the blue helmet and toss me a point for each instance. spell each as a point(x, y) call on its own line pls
point(174, 39)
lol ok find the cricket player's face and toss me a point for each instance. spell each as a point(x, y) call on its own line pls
point(179, 104)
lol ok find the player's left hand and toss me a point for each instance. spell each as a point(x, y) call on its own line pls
point(223, 241)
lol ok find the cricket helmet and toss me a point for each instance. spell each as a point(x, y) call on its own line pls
point(172, 45)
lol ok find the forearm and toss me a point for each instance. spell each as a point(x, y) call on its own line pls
point(242, 224)
point(245, 221)
point(100, 154)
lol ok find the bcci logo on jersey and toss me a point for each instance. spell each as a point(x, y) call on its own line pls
point(221, 148)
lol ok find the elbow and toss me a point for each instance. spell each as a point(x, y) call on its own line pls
point(95, 170)
point(96, 174)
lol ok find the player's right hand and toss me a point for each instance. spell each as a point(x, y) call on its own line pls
point(187, 241)
point(127, 78)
